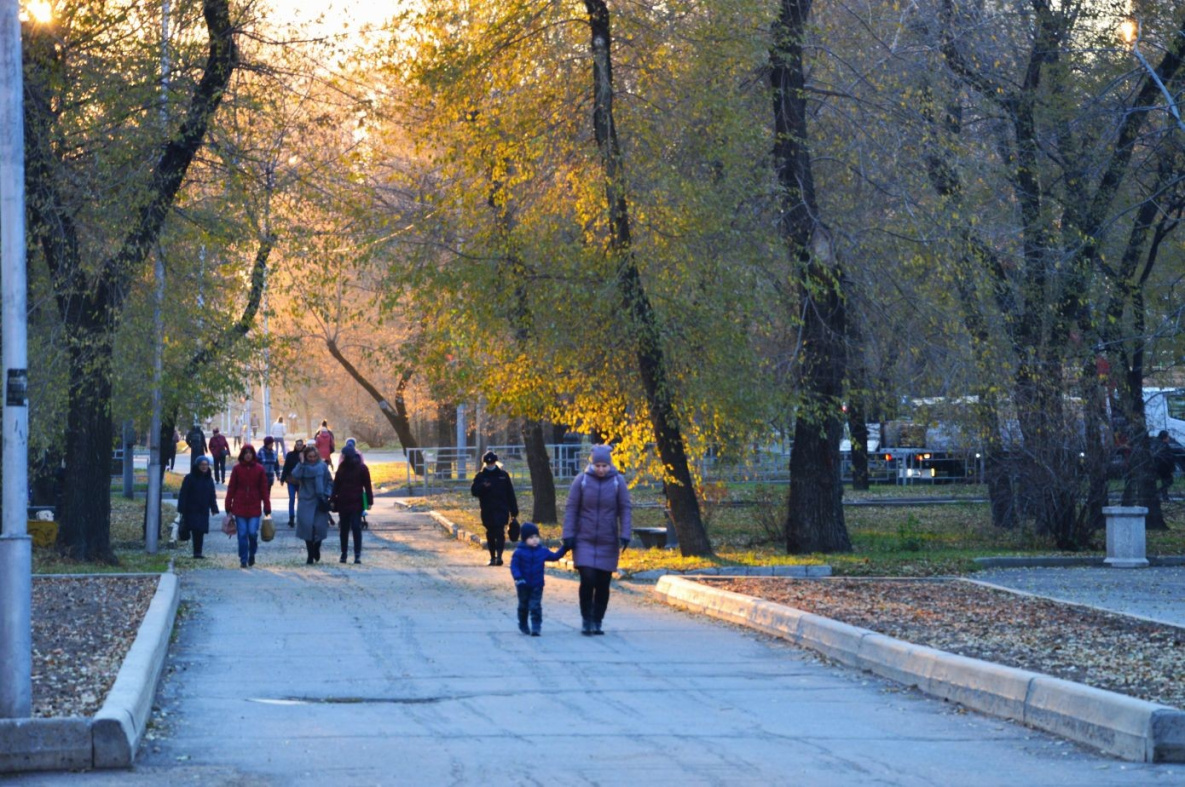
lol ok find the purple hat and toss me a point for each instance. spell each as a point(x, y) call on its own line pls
point(602, 454)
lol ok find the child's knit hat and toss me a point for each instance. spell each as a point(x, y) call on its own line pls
point(602, 454)
point(529, 529)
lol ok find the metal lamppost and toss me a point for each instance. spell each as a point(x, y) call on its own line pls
point(1129, 31)
point(16, 548)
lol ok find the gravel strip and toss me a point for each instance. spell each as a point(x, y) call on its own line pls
point(1101, 649)
point(82, 629)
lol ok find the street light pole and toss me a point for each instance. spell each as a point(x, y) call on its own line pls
point(155, 473)
point(16, 550)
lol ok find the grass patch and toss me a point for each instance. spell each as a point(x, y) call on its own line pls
point(908, 541)
point(127, 541)
point(387, 474)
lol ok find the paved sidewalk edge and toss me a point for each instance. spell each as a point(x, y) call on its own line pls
point(1116, 724)
point(120, 724)
point(1067, 602)
point(111, 737)
point(800, 572)
point(1066, 561)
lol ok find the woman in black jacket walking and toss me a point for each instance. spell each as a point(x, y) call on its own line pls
point(197, 502)
point(291, 460)
point(493, 489)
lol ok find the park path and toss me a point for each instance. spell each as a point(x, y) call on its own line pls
point(409, 669)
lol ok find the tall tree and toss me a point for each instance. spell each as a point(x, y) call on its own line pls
point(815, 521)
point(681, 497)
point(90, 292)
point(1070, 148)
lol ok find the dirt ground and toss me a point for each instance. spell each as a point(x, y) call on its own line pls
point(82, 629)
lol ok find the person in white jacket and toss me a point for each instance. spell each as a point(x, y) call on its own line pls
point(277, 432)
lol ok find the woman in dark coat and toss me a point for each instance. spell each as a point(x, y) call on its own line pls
point(493, 489)
point(597, 526)
point(197, 502)
point(290, 462)
point(351, 496)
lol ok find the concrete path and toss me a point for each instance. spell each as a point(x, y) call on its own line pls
point(1157, 593)
point(409, 669)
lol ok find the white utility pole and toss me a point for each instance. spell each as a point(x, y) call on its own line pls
point(152, 504)
point(267, 370)
point(16, 548)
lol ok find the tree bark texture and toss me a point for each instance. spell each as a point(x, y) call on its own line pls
point(90, 299)
point(652, 365)
point(542, 479)
point(815, 519)
point(858, 427)
point(446, 435)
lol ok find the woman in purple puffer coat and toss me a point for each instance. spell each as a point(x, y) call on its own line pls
point(597, 527)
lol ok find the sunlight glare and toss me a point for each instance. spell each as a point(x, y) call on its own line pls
point(1128, 30)
point(40, 11)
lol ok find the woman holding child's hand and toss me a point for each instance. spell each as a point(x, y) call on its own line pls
point(597, 525)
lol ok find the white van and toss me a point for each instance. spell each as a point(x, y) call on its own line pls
point(1164, 408)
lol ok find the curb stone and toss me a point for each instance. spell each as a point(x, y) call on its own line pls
point(1122, 726)
point(109, 739)
point(801, 572)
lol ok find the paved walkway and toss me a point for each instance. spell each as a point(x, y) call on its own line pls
point(409, 669)
point(1150, 592)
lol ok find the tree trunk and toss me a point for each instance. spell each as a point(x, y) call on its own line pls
point(815, 519)
point(542, 480)
point(1140, 479)
point(396, 415)
point(446, 432)
point(668, 436)
point(84, 520)
point(858, 427)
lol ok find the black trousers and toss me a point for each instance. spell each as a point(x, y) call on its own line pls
point(351, 523)
point(594, 593)
point(496, 540)
point(530, 601)
point(197, 539)
point(219, 469)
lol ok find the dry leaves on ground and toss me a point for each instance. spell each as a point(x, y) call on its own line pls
point(82, 629)
point(1101, 649)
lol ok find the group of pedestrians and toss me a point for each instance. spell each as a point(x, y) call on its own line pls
point(313, 491)
point(597, 527)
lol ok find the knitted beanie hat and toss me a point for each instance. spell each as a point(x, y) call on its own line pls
point(602, 454)
point(529, 529)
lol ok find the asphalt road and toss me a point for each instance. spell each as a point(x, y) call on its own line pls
point(409, 669)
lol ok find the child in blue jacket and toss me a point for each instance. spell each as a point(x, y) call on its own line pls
point(526, 566)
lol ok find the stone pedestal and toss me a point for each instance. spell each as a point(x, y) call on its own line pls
point(1126, 545)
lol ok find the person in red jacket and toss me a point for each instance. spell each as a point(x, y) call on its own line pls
point(246, 494)
point(220, 449)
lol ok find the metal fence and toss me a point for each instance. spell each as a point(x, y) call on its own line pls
point(450, 466)
point(446, 466)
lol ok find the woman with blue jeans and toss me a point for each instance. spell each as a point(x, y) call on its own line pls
point(247, 499)
point(291, 460)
